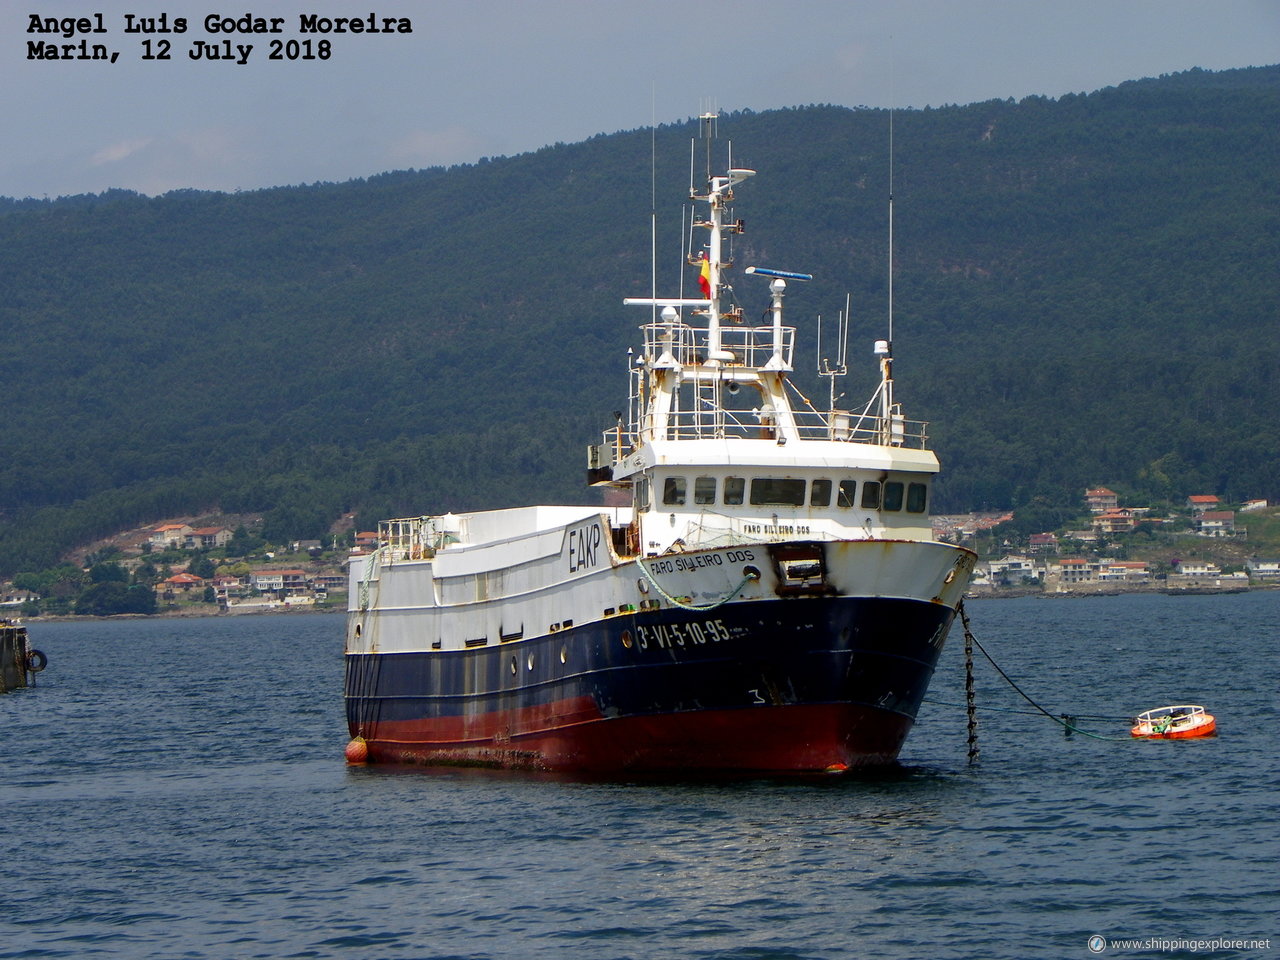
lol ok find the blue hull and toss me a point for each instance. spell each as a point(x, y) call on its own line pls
point(838, 679)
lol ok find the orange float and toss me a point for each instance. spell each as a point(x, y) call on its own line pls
point(357, 751)
point(1182, 722)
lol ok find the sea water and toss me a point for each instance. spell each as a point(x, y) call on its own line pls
point(176, 788)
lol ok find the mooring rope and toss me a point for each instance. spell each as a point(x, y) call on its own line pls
point(1067, 721)
point(1022, 713)
point(675, 602)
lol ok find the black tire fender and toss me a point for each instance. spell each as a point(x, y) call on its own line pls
point(36, 661)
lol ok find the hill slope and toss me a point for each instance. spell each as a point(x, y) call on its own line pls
point(1085, 293)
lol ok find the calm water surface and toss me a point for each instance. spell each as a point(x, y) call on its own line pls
point(176, 788)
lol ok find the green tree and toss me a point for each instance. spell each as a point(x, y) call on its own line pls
point(108, 572)
point(201, 567)
point(243, 543)
point(112, 597)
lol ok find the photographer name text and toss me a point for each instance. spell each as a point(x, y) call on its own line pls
point(226, 38)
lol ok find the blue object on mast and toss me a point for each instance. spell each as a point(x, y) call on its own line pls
point(784, 274)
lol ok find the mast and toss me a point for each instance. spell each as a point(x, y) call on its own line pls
point(718, 193)
point(886, 356)
point(704, 373)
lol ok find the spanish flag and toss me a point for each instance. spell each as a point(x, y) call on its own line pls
point(704, 277)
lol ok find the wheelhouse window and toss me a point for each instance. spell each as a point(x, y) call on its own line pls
point(734, 490)
point(845, 498)
point(642, 494)
point(871, 495)
point(777, 492)
point(892, 496)
point(673, 491)
point(820, 493)
point(917, 497)
point(704, 490)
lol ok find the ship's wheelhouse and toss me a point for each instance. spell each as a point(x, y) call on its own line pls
point(692, 503)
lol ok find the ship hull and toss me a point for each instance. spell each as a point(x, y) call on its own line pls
point(797, 685)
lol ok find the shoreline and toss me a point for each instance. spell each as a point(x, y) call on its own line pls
point(982, 593)
point(186, 614)
point(1116, 590)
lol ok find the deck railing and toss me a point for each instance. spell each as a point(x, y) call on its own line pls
point(410, 538)
point(702, 410)
point(750, 346)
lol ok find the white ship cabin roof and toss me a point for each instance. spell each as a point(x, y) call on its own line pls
point(729, 452)
point(492, 526)
point(462, 543)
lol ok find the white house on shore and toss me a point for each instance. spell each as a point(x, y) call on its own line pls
point(1216, 523)
point(1201, 502)
point(169, 535)
point(1197, 568)
point(1263, 569)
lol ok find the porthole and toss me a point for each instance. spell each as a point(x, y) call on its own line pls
point(529, 662)
point(514, 668)
point(564, 654)
point(641, 584)
point(626, 639)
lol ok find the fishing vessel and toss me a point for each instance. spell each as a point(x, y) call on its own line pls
point(769, 597)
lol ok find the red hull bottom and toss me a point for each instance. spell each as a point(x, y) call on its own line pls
point(818, 738)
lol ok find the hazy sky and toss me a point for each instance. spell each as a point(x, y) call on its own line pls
point(491, 77)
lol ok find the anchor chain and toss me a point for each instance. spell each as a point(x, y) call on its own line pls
point(970, 703)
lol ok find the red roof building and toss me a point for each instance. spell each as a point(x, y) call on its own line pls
point(1101, 500)
point(183, 582)
point(1043, 543)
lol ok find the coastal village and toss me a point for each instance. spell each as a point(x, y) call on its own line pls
point(1123, 549)
point(199, 567)
point(196, 567)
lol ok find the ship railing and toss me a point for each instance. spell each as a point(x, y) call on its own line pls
point(750, 346)
point(708, 422)
point(409, 538)
point(843, 425)
point(1178, 714)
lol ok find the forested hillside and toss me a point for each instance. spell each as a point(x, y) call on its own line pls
point(1086, 292)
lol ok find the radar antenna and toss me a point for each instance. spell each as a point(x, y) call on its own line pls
point(840, 367)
